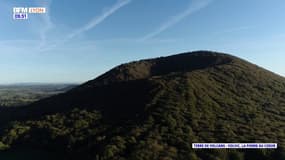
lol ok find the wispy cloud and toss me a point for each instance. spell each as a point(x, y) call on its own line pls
point(194, 6)
point(47, 24)
point(91, 24)
point(97, 20)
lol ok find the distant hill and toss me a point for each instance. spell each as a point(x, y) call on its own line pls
point(26, 93)
point(155, 109)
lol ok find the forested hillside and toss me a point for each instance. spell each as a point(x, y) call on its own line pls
point(155, 109)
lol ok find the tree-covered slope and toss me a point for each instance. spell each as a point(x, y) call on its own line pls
point(155, 109)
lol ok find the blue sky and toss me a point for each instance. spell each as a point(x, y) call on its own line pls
point(76, 41)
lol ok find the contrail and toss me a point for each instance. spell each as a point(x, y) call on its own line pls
point(97, 20)
point(48, 25)
point(92, 23)
point(195, 6)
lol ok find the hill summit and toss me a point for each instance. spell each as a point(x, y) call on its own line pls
point(155, 109)
point(185, 62)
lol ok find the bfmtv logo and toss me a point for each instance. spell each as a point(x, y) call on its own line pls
point(29, 10)
point(22, 12)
